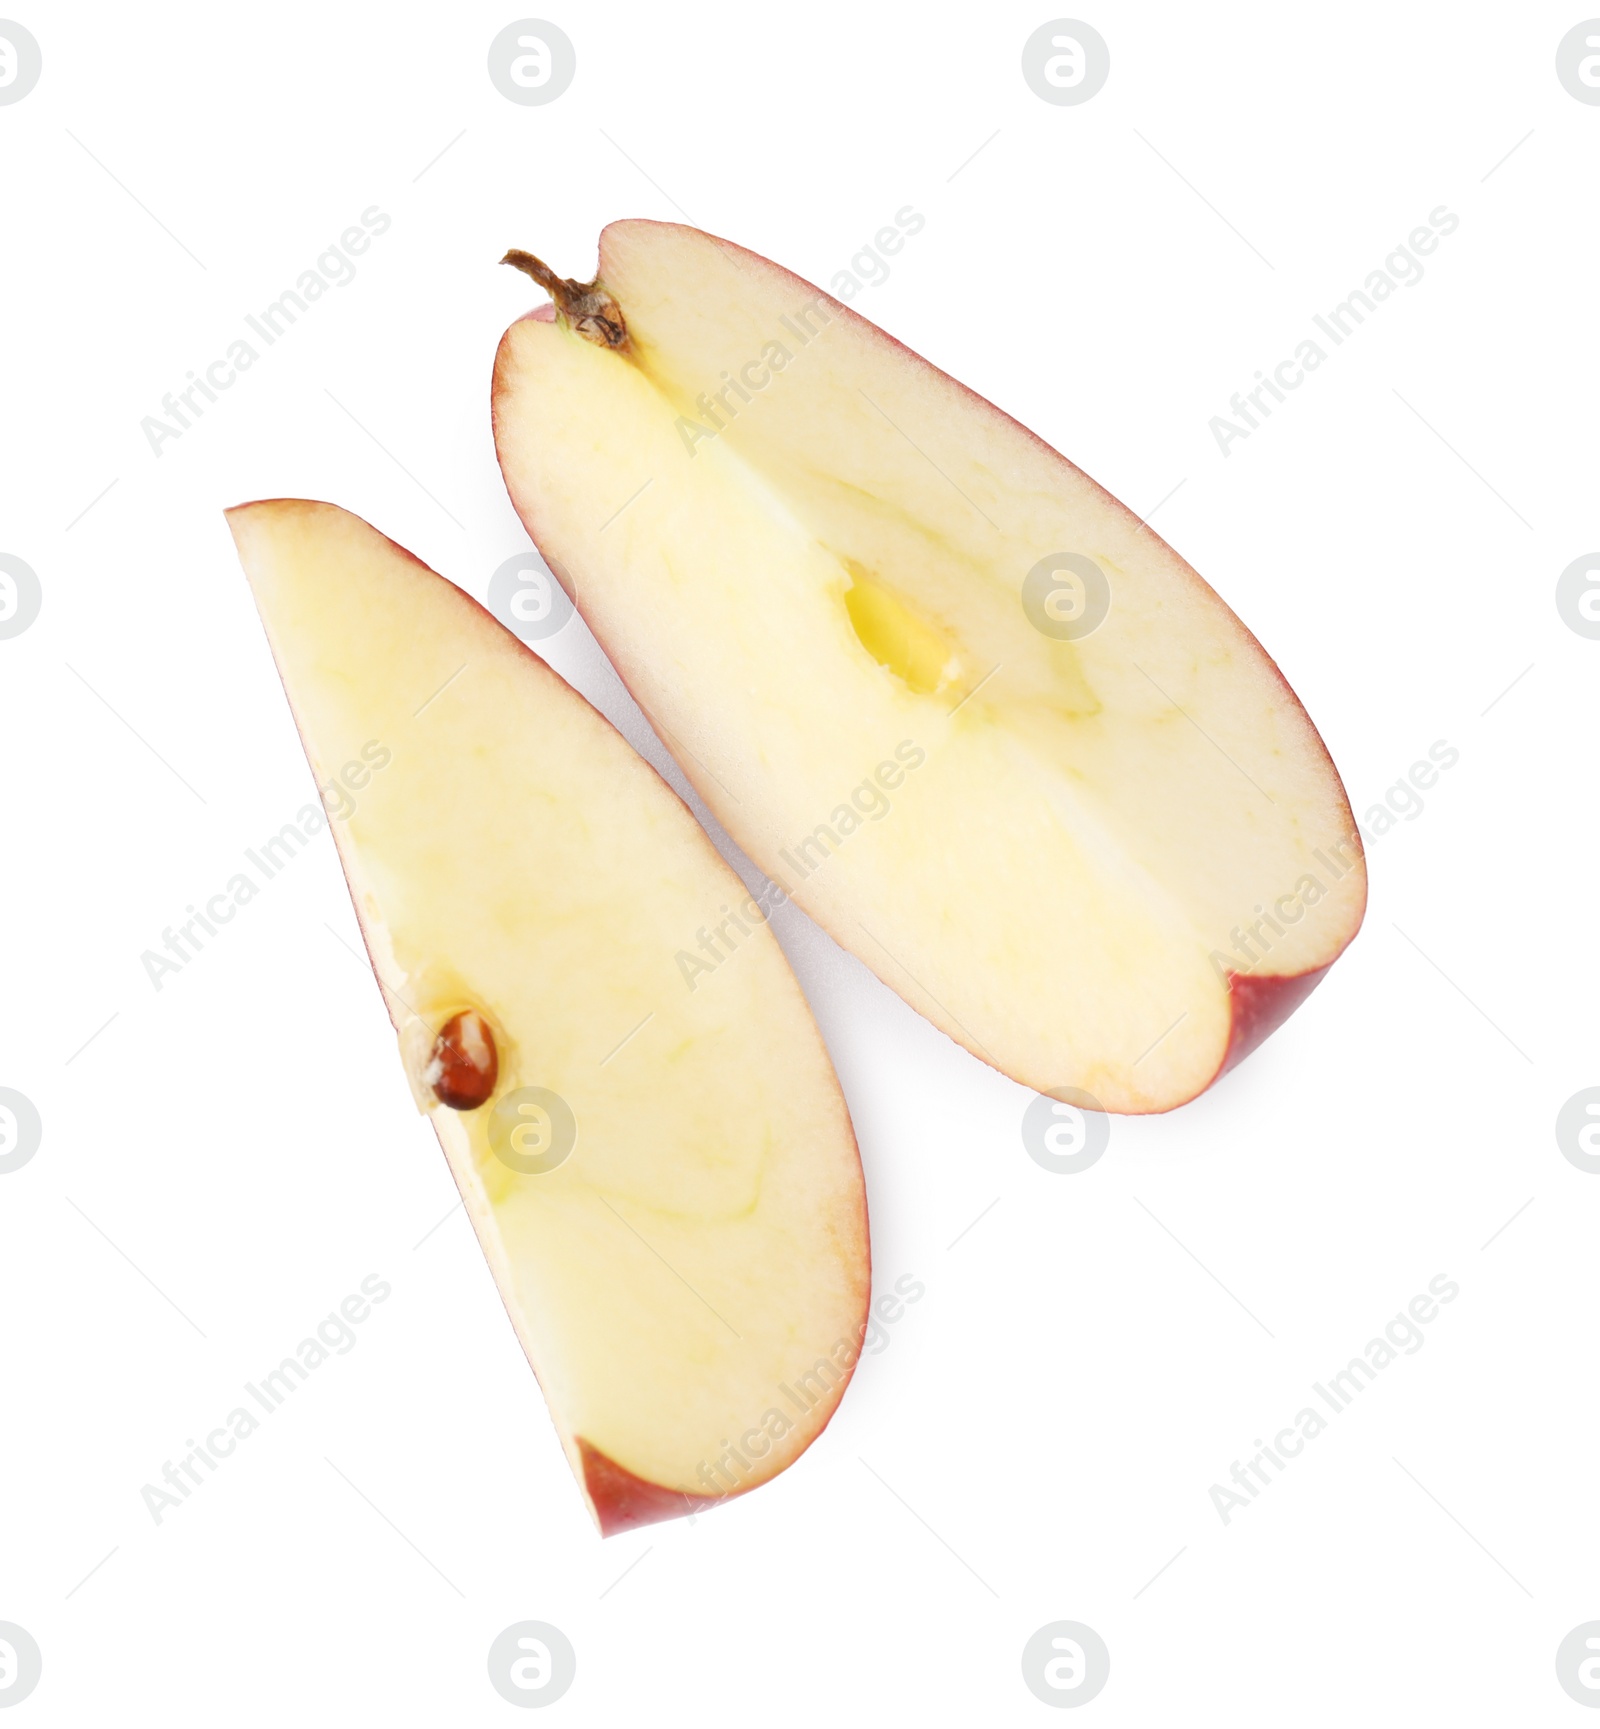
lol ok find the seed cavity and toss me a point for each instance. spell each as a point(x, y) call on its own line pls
point(902, 641)
point(464, 1064)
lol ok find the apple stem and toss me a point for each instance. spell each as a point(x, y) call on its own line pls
point(586, 306)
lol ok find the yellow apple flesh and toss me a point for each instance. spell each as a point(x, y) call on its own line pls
point(690, 1281)
point(1123, 854)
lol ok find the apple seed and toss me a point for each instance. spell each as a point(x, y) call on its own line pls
point(463, 1064)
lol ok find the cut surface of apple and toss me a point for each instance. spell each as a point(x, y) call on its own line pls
point(665, 1182)
point(986, 728)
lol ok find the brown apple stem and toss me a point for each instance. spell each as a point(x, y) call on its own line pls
point(585, 305)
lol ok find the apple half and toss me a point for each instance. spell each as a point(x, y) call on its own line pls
point(988, 729)
point(665, 1182)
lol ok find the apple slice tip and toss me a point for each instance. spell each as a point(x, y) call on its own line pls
point(621, 1501)
point(1260, 1006)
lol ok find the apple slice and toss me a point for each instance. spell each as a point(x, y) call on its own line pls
point(665, 1181)
point(983, 725)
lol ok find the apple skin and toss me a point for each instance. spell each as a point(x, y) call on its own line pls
point(1260, 1005)
point(623, 1502)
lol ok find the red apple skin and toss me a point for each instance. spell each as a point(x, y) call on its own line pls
point(622, 1501)
point(1260, 1005)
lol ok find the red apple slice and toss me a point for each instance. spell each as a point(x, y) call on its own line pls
point(664, 1181)
point(987, 728)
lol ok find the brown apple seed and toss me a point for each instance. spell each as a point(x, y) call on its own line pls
point(463, 1065)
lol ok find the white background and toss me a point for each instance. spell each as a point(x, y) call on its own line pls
point(1039, 1438)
